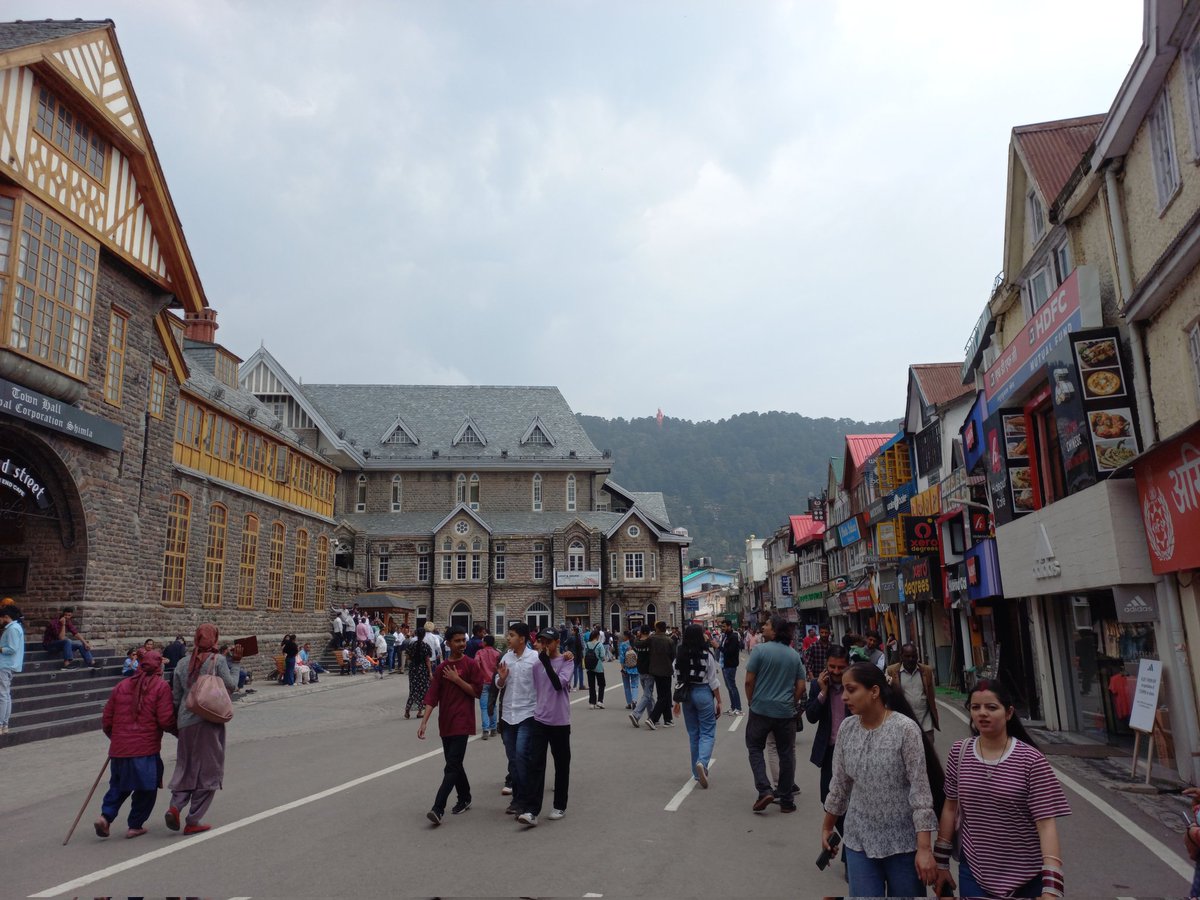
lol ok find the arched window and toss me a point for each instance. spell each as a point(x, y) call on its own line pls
point(245, 599)
point(175, 558)
point(576, 557)
point(275, 568)
point(460, 489)
point(360, 500)
point(570, 493)
point(474, 492)
point(214, 556)
point(397, 492)
point(460, 615)
point(537, 493)
point(321, 573)
point(300, 571)
point(537, 615)
point(651, 614)
point(614, 619)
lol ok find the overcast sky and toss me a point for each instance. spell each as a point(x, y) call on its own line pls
point(710, 208)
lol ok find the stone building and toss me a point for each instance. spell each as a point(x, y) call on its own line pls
point(477, 504)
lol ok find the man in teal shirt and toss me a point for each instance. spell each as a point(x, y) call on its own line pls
point(774, 685)
point(12, 658)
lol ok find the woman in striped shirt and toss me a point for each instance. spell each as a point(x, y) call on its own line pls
point(1003, 798)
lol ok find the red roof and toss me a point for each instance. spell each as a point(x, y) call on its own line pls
point(941, 383)
point(805, 530)
point(1052, 150)
point(859, 448)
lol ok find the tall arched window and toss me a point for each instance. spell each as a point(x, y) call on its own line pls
point(360, 499)
point(397, 492)
point(245, 599)
point(537, 493)
point(570, 493)
point(321, 573)
point(460, 489)
point(175, 558)
point(460, 615)
point(614, 619)
point(537, 615)
point(300, 571)
point(214, 556)
point(473, 493)
point(651, 614)
point(576, 557)
point(275, 568)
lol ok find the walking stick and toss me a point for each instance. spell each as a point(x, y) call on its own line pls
point(95, 784)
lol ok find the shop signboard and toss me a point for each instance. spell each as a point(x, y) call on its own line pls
point(928, 502)
point(889, 592)
point(810, 600)
point(918, 581)
point(1067, 311)
point(877, 511)
point(28, 405)
point(848, 532)
point(1009, 477)
point(1135, 602)
point(982, 527)
point(1070, 419)
point(862, 598)
point(1145, 695)
point(785, 585)
point(982, 564)
point(972, 433)
point(23, 481)
point(1168, 482)
point(921, 535)
point(1110, 418)
point(929, 448)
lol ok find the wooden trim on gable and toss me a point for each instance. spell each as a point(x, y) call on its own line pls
point(174, 354)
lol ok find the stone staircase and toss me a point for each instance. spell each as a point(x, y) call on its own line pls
point(49, 701)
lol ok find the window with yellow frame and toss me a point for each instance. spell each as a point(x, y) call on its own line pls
point(214, 557)
point(157, 403)
point(175, 556)
point(114, 373)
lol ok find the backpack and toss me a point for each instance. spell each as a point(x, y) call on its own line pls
point(590, 659)
point(631, 659)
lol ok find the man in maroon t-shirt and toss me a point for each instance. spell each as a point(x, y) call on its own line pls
point(454, 690)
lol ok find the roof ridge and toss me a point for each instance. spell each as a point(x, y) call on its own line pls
point(1055, 124)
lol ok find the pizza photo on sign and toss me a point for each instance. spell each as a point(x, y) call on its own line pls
point(1108, 424)
point(1097, 354)
point(1103, 383)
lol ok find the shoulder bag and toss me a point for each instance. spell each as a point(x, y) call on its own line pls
point(208, 697)
point(956, 853)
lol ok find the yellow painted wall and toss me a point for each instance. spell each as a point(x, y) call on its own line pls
point(1172, 376)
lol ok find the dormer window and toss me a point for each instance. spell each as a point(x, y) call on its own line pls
point(537, 434)
point(469, 434)
point(226, 369)
point(399, 434)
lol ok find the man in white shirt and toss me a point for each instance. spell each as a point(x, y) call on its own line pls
point(916, 680)
point(514, 675)
point(435, 644)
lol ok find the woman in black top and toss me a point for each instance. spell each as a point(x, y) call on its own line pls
point(420, 670)
point(290, 650)
point(698, 679)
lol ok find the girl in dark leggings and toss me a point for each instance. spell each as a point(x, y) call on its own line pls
point(595, 674)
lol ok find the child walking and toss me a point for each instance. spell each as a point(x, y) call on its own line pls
point(455, 687)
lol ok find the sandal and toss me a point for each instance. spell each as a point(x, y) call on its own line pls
point(101, 826)
point(135, 832)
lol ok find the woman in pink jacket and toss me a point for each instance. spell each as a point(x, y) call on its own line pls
point(138, 711)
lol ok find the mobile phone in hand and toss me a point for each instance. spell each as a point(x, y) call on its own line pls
point(835, 838)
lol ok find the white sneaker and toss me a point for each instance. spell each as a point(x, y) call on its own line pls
point(635, 720)
point(701, 774)
point(670, 724)
point(650, 724)
point(527, 818)
point(505, 791)
point(591, 706)
point(599, 706)
point(738, 712)
point(557, 813)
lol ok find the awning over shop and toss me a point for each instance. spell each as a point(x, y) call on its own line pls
point(384, 600)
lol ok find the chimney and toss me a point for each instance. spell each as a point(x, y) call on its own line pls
point(202, 326)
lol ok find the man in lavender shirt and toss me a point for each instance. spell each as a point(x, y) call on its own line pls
point(551, 729)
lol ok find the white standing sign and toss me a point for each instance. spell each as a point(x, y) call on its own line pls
point(1145, 697)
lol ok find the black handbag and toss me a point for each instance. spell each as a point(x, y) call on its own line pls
point(682, 692)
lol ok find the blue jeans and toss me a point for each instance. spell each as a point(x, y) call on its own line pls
point(577, 675)
point(518, 746)
point(68, 648)
point(289, 670)
point(629, 679)
point(735, 699)
point(647, 702)
point(391, 657)
point(969, 887)
point(891, 876)
point(699, 715)
point(489, 721)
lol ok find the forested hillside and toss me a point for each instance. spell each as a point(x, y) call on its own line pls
point(726, 480)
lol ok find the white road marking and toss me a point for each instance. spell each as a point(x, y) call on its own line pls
point(578, 700)
point(681, 794)
point(190, 841)
point(737, 720)
point(1171, 859)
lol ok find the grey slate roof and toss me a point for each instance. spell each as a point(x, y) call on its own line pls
point(502, 523)
point(435, 414)
point(653, 504)
point(233, 400)
point(23, 34)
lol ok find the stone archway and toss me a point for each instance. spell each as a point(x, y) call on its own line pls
point(43, 530)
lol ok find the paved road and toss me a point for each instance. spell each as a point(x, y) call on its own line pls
point(370, 780)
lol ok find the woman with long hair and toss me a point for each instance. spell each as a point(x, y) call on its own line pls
point(200, 760)
point(699, 676)
point(575, 648)
point(595, 672)
point(420, 671)
point(139, 710)
point(1003, 799)
point(888, 784)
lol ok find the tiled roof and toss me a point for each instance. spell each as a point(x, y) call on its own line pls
point(859, 447)
point(804, 529)
point(941, 383)
point(24, 34)
point(654, 505)
point(435, 414)
point(1053, 150)
point(422, 524)
point(241, 403)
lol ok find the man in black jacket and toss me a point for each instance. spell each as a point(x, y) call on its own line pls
point(662, 658)
point(826, 709)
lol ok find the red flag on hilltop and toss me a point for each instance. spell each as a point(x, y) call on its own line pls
point(659, 417)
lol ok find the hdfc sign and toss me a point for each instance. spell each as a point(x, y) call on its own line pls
point(1168, 481)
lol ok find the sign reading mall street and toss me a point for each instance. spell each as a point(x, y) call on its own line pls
point(22, 403)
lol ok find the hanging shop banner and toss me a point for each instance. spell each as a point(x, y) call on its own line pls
point(785, 585)
point(848, 532)
point(928, 502)
point(918, 580)
point(982, 527)
point(1168, 481)
point(973, 443)
point(1135, 602)
point(1107, 398)
point(929, 449)
point(1075, 305)
point(921, 535)
point(1070, 419)
point(1009, 478)
point(982, 565)
point(889, 590)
